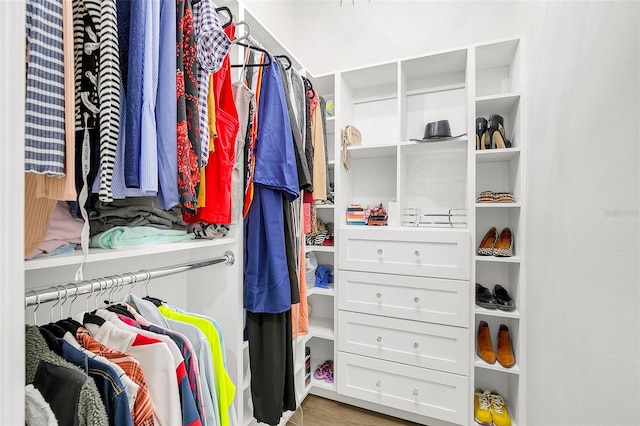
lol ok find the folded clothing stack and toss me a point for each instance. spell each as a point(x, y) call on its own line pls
point(134, 211)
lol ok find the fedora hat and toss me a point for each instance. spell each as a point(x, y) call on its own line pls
point(437, 130)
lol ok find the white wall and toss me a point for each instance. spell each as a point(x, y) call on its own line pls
point(583, 266)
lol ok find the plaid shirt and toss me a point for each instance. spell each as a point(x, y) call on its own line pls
point(212, 46)
point(141, 412)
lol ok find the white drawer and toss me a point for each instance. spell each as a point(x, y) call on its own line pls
point(422, 252)
point(421, 391)
point(434, 346)
point(415, 298)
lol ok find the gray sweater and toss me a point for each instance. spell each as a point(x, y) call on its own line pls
point(91, 411)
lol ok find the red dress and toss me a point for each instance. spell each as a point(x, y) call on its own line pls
point(220, 166)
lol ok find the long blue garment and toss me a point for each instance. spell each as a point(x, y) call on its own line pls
point(267, 286)
point(167, 109)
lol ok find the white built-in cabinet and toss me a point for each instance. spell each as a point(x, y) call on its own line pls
point(405, 320)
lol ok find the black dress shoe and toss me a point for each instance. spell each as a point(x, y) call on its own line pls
point(505, 302)
point(484, 298)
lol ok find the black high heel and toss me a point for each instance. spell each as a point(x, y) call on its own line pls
point(497, 135)
point(482, 137)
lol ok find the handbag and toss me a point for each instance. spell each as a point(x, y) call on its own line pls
point(350, 137)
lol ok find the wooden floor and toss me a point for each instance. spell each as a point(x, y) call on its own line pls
point(318, 411)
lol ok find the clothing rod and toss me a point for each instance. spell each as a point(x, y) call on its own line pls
point(36, 297)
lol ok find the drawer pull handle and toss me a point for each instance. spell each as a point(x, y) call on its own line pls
point(415, 392)
point(378, 383)
point(416, 345)
point(380, 251)
point(417, 253)
point(416, 299)
point(379, 339)
point(379, 295)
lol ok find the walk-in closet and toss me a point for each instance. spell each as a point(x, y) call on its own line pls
point(245, 212)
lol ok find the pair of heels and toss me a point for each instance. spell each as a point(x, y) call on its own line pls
point(493, 244)
point(491, 134)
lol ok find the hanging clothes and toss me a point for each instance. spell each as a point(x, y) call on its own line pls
point(77, 401)
point(203, 352)
point(140, 138)
point(156, 361)
point(319, 162)
point(304, 178)
point(57, 188)
point(167, 109)
point(109, 94)
point(188, 131)
point(271, 363)
point(212, 47)
point(224, 385)
point(245, 104)
point(45, 107)
point(218, 171)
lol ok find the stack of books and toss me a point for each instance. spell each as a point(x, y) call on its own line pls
point(356, 214)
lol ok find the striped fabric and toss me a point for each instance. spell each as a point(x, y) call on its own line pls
point(109, 95)
point(44, 122)
point(142, 410)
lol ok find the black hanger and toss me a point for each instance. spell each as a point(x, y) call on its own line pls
point(119, 309)
point(93, 319)
point(285, 57)
point(154, 300)
point(259, 49)
point(224, 9)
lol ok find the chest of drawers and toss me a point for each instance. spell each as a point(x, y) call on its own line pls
point(403, 320)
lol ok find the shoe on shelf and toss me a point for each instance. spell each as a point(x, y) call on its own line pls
point(504, 302)
point(482, 407)
point(499, 412)
point(506, 358)
point(488, 242)
point(503, 246)
point(482, 136)
point(486, 197)
point(497, 135)
point(484, 345)
point(484, 298)
point(503, 197)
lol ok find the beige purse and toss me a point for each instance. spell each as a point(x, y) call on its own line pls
point(350, 137)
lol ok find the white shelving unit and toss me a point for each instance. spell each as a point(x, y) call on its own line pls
point(390, 103)
point(500, 88)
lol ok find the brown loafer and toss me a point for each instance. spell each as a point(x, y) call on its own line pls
point(506, 358)
point(484, 345)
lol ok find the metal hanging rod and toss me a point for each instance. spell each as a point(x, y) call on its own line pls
point(36, 297)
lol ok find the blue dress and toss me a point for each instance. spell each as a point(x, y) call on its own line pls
point(267, 285)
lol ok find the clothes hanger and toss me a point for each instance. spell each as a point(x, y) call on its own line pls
point(224, 9)
point(258, 49)
point(72, 300)
point(246, 34)
point(55, 304)
point(285, 57)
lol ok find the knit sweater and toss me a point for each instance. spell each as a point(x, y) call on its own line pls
point(91, 411)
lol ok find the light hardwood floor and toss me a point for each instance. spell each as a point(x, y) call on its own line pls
point(325, 412)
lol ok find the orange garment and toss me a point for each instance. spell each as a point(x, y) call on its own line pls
point(36, 214)
point(248, 196)
point(300, 314)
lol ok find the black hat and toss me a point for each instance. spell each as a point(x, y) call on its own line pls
point(437, 130)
